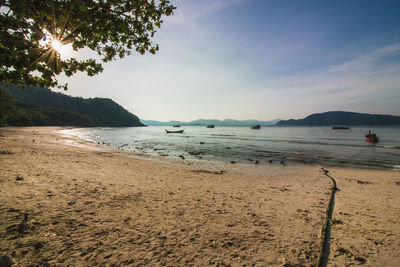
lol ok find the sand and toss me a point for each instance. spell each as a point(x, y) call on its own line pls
point(366, 218)
point(66, 202)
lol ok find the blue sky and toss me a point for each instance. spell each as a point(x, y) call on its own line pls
point(260, 59)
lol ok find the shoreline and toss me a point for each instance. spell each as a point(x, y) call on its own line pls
point(78, 203)
point(201, 153)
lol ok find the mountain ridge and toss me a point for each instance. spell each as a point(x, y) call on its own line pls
point(204, 122)
point(332, 118)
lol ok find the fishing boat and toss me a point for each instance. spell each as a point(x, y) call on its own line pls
point(340, 128)
point(371, 138)
point(169, 131)
point(256, 127)
point(210, 126)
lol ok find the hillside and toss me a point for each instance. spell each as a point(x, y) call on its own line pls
point(342, 118)
point(37, 106)
point(202, 122)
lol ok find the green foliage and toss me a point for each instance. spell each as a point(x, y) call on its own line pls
point(36, 106)
point(110, 28)
point(5, 108)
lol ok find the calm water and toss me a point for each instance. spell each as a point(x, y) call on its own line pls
point(310, 145)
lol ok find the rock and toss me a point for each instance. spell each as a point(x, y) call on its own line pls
point(19, 178)
point(194, 153)
point(72, 202)
point(257, 162)
point(202, 143)
point(363, 182)
point(6, 152)
point(284, 262)
point(325, 171)
point(38, 245)
point(12, 210)
point(6, 261)
point(108, 256)
point(232, 162)
point(361, 260)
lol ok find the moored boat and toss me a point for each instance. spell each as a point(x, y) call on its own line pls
point(210, 126)
point(176, 125)
point(340, 128)
point(256, 127)
point(371, 138)
point(169, 131)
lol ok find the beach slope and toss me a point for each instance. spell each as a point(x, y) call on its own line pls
point(68, 202)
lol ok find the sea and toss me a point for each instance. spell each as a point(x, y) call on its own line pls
point(268, 145)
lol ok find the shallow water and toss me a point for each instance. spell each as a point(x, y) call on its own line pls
point(310, 145)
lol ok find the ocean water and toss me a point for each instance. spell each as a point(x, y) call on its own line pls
point(269, 145)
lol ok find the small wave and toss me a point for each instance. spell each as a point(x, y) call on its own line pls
point(339, 139)
point(392, 147)
point(268, 152)
point(301, 142)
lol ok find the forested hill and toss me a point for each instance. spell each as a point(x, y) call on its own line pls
point(332, 118)
point(37, 106)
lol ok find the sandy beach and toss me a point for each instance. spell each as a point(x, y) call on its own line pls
point(66, 202)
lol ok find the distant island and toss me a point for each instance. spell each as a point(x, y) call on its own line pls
point(36, 106)
point(332, 118)
point(202, 122)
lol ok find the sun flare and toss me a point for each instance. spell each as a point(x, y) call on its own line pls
point(57, 45)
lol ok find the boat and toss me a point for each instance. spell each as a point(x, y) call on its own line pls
point(256, 127)
point(210, 126)
point(371, 138)
point(178, 131)
point(340, 128)
point(176, 125)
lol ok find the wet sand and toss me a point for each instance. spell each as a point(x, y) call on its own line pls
point(68, 202)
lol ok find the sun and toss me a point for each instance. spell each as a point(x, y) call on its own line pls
point(61, 48)
point(57, 45)
point(54, 51)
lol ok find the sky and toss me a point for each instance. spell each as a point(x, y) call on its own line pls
point(260, 59)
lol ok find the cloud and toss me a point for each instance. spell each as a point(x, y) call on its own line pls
point(367, 62)
point(359, 84)
point(160, 87)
